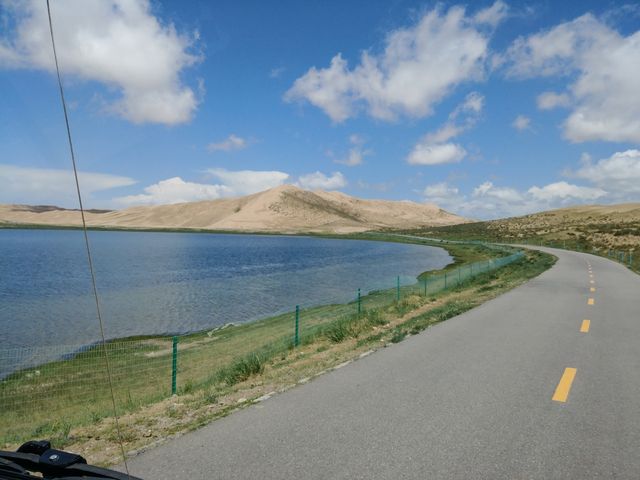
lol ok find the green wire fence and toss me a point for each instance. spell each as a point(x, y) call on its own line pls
point(56, 387)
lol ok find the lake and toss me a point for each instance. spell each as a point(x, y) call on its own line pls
point(156, 283)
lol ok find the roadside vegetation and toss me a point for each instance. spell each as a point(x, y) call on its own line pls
point(221, 370)
point(612, 236)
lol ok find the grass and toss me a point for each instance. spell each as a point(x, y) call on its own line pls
point(614, 236)
point(218, 368)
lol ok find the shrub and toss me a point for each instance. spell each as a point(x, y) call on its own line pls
point(338, 330)
point(398, 335)
point(242, 369)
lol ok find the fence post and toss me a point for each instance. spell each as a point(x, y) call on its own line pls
point(425, 286)
point(296, 337)
point(359, 302)
point(398, 288)
point(174, 367)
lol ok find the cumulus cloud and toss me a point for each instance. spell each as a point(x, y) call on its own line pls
point(618, 174)
point(356, 153)
point(232, 142)
point(442, 194)
point(564, 190)
point(319, 180)
point(417, 68)
point(489, 190)
point(521, 123)
point(425, 153)
point(230, 184)
point(492, 15)
point(245, 182)
point(434, 148)
point(174, 190)
point(119, 43)
point(53, 186)
point(490, 201)
point(605, 64)
point(551, 100)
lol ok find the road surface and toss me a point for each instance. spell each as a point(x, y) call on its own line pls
point(518, 388)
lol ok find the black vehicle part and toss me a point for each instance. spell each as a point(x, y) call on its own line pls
point(52, 464)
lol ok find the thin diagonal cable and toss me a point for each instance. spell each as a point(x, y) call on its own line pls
point(86, 240)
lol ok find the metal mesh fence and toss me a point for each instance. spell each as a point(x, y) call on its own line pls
point(46, 388)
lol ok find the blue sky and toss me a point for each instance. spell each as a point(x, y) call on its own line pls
point(488, 109)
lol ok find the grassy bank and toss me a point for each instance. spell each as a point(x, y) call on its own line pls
point(614, 240)
point(220, 370)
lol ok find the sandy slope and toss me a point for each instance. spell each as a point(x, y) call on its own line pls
point(281, 209)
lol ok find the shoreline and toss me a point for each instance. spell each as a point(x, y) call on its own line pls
point(458, 253)
point(232, 367)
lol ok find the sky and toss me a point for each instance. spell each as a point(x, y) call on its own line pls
point(488, 109)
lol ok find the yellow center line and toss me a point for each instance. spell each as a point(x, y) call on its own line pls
point(584, 328)
point(592, 289)
point(564, 387)
point(591, 301)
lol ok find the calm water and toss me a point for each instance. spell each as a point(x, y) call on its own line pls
point(152, 283)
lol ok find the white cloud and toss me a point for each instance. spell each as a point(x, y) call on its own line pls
point(490, 201)
point(232, 142)
point(319, 180)
point(564, 190)
point(605, 93)
point(618, 174)
point(276, 72)
point(425, 153)
point(473, 104)
point(488, 189)
point(418, 67)
point(355, 157)
point(492, 15)
point(53, 186)
point(551, 100)
point(434, 148)
point(442, 194)
point(612, 180)
point(356, 153)
point(442, 190)
point(119, 43)
point(444, 133)
point(174, 190)
point(521, 123)
point(245, 182)
point(231, 184)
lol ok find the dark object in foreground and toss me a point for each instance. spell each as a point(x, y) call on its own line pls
point(39, 457)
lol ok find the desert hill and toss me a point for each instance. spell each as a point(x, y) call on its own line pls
point(601, 226)
point(285, 209)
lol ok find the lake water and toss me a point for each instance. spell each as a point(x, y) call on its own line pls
point(153, 283)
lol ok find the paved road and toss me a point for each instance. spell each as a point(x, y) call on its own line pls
point(470, 398)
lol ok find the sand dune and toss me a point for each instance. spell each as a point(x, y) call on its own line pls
point(286, 209)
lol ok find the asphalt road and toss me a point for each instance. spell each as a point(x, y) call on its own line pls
point(471, 398)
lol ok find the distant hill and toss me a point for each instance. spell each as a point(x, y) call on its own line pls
point(285, 209)
point(601, 226)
